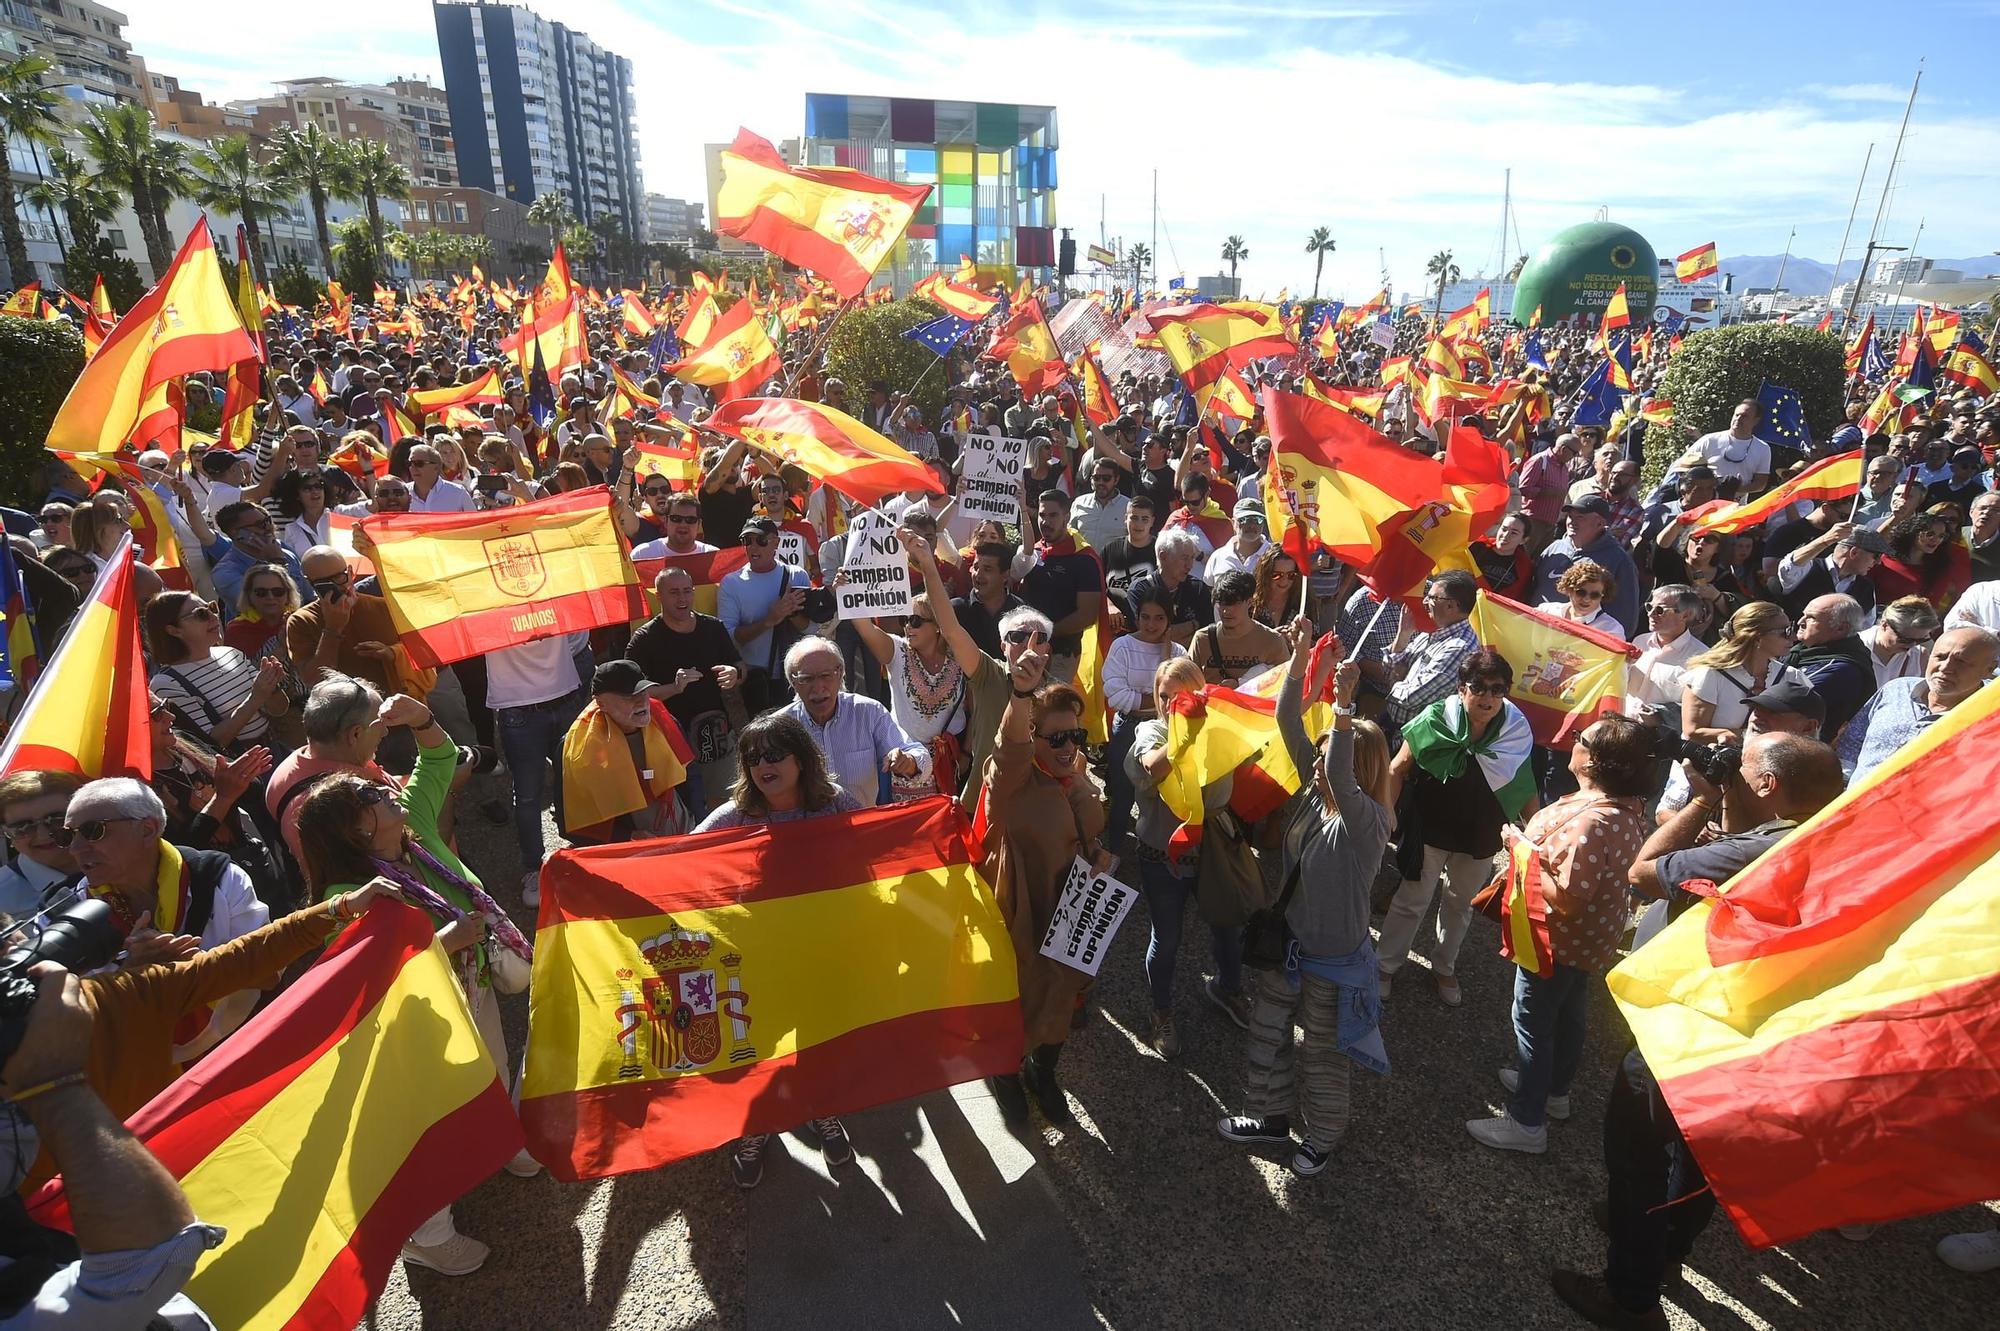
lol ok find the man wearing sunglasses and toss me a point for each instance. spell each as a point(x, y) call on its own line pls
point(249, 538)
point(859, 737)
point(675, 519)
point(758, 599)
point(32, 807)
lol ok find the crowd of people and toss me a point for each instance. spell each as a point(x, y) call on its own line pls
point(300, 769)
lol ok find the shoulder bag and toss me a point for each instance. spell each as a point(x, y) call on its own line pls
point(1267, 937)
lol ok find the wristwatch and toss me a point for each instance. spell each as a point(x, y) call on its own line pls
point(1339, 710)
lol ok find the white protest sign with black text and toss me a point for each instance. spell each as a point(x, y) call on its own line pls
point(989, 483)
point(878, 572)
point(1087, 916)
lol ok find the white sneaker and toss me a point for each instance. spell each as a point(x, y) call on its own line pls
point(523, 1165)
point(531, 888)
point(1974, 1254)
point(456, 1256)
point(1504, 1134)
point(1557, 1105)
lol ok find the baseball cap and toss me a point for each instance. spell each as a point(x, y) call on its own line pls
point(759, 526)
point(1247, 507)
point(1591, 503)
point(1790, 695)
point(217, 461)
point(620, 676)
point(1867, 538)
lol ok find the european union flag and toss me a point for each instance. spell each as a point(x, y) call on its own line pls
point(1328, 313)
point(1674, 321)
point(1783, 418)
point(1176, 283)
point(665, 347)
point(1923, 369)
point(471, 351)
point(1531, 349)
point(1873, 363)
point(940, 334)
point(541, 393)
point(1599, 399)
point(1183, 405)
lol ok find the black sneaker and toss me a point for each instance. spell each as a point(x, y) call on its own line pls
point(1041, 1083)
point(747, 1161)
point(1309, 1160)
point(1276, 1128)
point(833, 1143)
point(1591, 1299)
point(1013, 1101)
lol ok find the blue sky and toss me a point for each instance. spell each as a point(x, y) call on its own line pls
point(1391, 123)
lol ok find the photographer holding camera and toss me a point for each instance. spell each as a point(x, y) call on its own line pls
point(1658, 1200)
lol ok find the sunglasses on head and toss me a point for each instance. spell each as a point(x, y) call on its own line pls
point(52, 823)
point(1020, 637)
point(754, 756)
point(92, 830)
point(1063, 739)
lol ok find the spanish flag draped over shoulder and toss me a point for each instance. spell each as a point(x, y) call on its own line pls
point(88, 712)
point(837, 222)
point(1565, 675)
point(185, 324)
point(705, 570)
point(736, 360)
point(463, 584)
point(1697, 263)
point(828, 444)
point(327, 1129)
point(1339, 482)
point(692, 990)
point(1024, 341)
point(1831, 478)
point(600, 782)
point(1824, 1028)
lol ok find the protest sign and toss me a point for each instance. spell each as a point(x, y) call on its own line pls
point(1087, 916)
point(1382, 334)
point(878, 572)
point(990, 483)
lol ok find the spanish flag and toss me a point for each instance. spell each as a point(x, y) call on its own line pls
point(634, 317)
point(1824, 1027)
point(1363, 402)
point(1204, 341)
point(705, 570)
point(1657, 411)
point(1524, 906)
point(1832, 478)
point(186, 323)
point(1970, 369)
point(1338, 482)
point(463, 584)
point(1100, 407)
point(693, 990)
point(1697, 263)
point(1565, 675)
point(20, 645)
point(158, 544)
point(736, 361)
point(828, 444)
point(1024, 341)
point(1472, 320)
point(1857, 348)
point(1617, 314)
point(552, 322)
point(433, 401)
point(25, 303)
point(1437, 535)
point(962, 299)
point(327, 1129)
point(600, 782)
point(88, 712)
point(626, 397)
point(837, 222)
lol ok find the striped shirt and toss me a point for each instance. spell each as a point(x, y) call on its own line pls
point(214, 689)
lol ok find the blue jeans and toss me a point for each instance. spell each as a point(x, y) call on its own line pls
point(531, 738)
point(1166, 902)
point(1550, 1019)
point(1118, 793)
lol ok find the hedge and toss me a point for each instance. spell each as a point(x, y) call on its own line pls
point(39, 360)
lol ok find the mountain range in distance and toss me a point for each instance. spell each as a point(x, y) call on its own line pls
point(1804, 277)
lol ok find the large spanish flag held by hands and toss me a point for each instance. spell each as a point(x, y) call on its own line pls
point(1338, 483)
point(463, 584)
point(88, 712)
point(1437, 535)
point(1837, 477)
point(828, 444)
point(690, 991)
point(1025, 342)
point(186, 323)
point(1565, 675)
point(736, 361)
point(328, 1128)
point(837, 222)
point(1824, 1029)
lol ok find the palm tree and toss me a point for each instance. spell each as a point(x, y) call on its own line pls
point(1319, 244)
point(1234, 249)
point(27, 113)
point(85, 201)
point(1141, 258)
point(317, 164)
point(1446, 272)
point(151, 172)
point(378, 176)
point(230, 179)
point(552, 211)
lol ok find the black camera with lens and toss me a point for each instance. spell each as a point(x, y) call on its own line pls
point(80, 937)
point(1717, 763)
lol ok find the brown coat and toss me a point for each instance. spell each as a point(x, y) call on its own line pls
point(1035, 828)
point(370, 622)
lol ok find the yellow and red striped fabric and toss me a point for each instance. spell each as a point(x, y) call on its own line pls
point(737, 358)
point(1024, 341)
point(838, 222)
point(1565, 675)
point(1437, 535)
point(1100, 404)
point(1824, 1029)
point(88, 712)
point(1836, 477)
point(1524, 908)
point(689, 991)
point(827, 444)
point(433, 401)
point(705, 570)
point(462, 584)
point(1338, 483)
point(1697, 263)
point(963, 299)
point(328, 1128)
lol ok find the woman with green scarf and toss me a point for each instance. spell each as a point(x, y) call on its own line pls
point(353, 830)
point(1464, 765)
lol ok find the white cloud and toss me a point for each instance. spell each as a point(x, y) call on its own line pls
point(1327, 128)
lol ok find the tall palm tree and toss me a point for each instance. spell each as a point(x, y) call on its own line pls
point(378, 176)
point(1319, 244)
point(1234, 249)
point(27, 113)
point(151, 172)
point(1141, 258)
point(1446, 272)
point(229, 178)
point(552, 211)
point(315, 163)
point(73, 187)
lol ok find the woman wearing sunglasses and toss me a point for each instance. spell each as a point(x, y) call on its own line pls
point(32, 806)
point(928, 695)
point(1587, 587)
point(215, 690)
point(353, 830)
point(1041, 810)
point(302, 504)
point(268, 597)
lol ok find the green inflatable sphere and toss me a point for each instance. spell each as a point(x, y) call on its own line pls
point(1577, 271)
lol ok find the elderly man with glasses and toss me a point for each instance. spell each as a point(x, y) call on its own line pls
point(429, 491)
point(859, 737)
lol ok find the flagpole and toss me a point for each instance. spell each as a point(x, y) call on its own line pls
point(816, 348)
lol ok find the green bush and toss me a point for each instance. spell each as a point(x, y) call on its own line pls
point(1715, 370)
point(39, 361)
point(868, 344)
point(292, 284)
